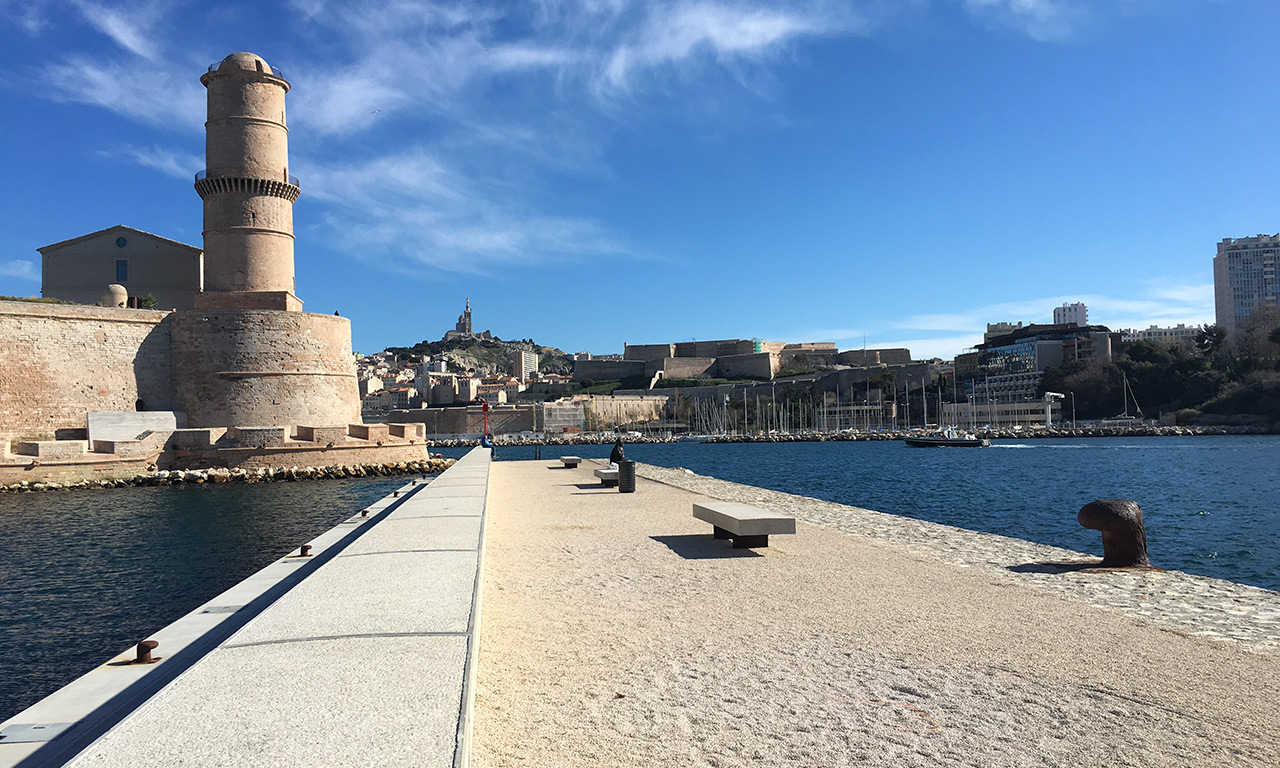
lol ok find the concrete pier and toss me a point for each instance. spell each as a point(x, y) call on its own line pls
point(366, 658)
point(639, 639)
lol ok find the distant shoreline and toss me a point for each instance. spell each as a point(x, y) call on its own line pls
point(816, 436)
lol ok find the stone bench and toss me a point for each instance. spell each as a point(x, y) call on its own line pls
point(608, 477)
point(748, 526)
point(571, 462)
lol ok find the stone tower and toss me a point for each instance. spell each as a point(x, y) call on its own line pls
point(247, 191)
point(247, 355)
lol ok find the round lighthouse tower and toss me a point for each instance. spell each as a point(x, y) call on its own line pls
point(247, 355)
point(247, 191)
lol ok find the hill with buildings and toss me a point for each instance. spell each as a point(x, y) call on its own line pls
point(483, 356)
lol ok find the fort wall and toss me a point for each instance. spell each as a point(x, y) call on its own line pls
point(61, 361)
point(760, 365)
point(607, 370)
point(259, 367)
point(688, 367)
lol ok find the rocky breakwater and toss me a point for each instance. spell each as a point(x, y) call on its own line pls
point(592, 439)
point(434, 465)
point(993, 434)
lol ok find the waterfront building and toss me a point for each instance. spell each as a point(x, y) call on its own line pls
point(1244, 279)
point(1007, 368)
point(1071, 314)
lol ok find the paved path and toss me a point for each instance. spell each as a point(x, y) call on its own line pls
point(618, 632)
point(366, 662)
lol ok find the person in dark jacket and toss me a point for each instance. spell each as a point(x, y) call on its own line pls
point(617, 455)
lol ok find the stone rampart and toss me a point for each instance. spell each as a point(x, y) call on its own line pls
point(503, 419)
point(254, 367)
point(688, 367)
point(761, 365)
point(873, 357)
point(61, 361)
point(647, 352)
point(606, 370)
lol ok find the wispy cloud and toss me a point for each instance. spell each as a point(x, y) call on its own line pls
point(20, 269)
point(675, 33)
point(415, 212)
point(1162, 301)
point(157, 97)
point(171, 162)
point(130, 26)
point(1044, 20)
point(30, 16)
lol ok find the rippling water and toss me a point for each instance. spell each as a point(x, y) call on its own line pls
point(86, 574)
point(1209, 503)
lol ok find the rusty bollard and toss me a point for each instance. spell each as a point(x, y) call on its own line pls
point(395, 494)
point(364, 513)
point(1124, 540)
point(306, 550)
point(144, 652)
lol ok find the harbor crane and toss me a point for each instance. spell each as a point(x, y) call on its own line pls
point(1049, 397)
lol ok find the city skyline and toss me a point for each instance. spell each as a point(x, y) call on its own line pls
point(594, 173)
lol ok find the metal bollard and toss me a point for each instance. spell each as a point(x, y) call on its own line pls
point(306, 550)
point(1124, 538)
point(144, 652)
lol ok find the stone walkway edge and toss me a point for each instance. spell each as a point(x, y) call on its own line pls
point(1213, 608)
point(123, 714)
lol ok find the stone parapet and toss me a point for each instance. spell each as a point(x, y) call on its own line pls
point(281, 301)
point(370, 431)
point(408, 431)
point(52, 449)
point(195, 439)
point(336, 434)
point(257, 437)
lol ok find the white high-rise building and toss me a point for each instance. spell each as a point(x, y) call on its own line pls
point(523, 363)
point(1244, 279)
point(1071, 314)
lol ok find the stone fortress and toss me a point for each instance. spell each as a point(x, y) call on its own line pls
point(243, 377)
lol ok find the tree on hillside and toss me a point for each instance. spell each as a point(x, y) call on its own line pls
point(1209, 339)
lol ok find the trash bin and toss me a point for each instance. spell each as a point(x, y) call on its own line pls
point(627, 476)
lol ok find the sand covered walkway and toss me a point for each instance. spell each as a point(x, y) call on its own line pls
point(616, 631)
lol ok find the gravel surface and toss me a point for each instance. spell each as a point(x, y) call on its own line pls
point(616, 631)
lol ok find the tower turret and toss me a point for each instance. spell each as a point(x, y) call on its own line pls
point(247, 191)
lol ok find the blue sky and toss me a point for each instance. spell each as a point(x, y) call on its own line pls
point(591, 172)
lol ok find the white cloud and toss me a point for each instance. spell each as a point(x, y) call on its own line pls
point(677, 32)
point(20, 269)
point(170, 162)
point(414, 212)
point(1043, 20)
point(27, 15)
point(1162, 301)
point(129, 26)
point(157, 97)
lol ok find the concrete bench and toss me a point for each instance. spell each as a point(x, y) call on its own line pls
point(608, 477)
point(748, 526)
point(571, 462)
